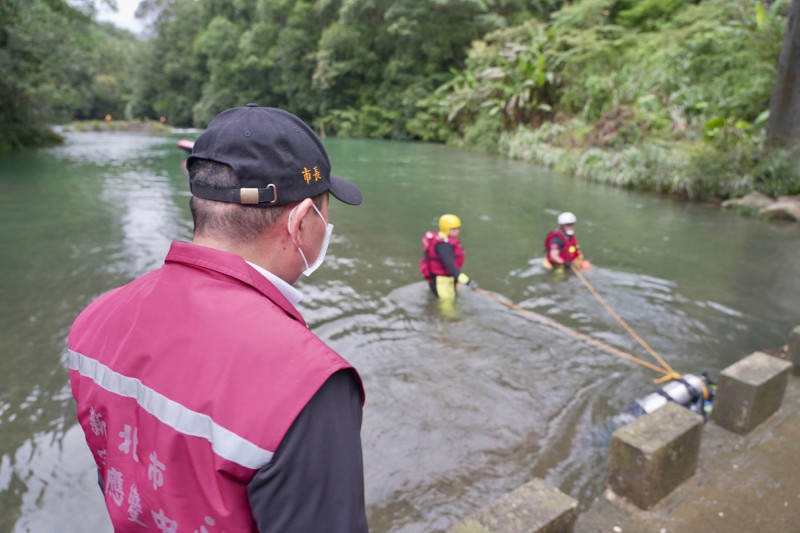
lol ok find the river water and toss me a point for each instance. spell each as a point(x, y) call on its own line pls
point(462, 406)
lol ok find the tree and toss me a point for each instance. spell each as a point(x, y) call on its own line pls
point(45, 68)
point(382, 56)
point(170, 76)
point(57, 64)
point(783, 127)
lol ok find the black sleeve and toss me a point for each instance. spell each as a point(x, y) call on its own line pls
point(315, 481)
point(446, 253)
point(558, 241)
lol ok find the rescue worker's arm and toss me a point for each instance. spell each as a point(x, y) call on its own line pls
point(445, 252)
point(315, 482)
point(554, 255)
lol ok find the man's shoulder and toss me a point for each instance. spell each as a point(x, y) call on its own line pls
point(554, 237)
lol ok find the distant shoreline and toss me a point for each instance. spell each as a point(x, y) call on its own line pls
point(144, 126)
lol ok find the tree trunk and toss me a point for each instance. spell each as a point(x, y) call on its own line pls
point(783, 127)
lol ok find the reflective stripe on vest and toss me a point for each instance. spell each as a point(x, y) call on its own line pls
point(224, 442)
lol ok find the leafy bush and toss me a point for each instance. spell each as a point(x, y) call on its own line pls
point(539, 146)
point(509, 79)
point(582, 15)
point(647, 14)
point(719, 174)
point(777, 173)
point(679, 110)
point(482, 134)
point(340, 123)
point(651, 167)
point(430, 123)
point(367, 122)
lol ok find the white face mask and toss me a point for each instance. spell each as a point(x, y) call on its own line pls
point(323, 249)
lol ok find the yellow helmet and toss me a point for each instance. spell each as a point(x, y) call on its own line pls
point(448, 222)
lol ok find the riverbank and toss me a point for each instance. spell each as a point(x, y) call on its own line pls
point(110, 125)
point(747, 177)
point(743, 483)
point(673, 473)
point(642, 168)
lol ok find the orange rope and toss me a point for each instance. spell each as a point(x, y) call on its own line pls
point(621, 321)
point(668, 373)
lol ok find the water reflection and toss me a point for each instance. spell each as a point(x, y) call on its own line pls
point(148, 219)
point(460, 408)
point(56, 490)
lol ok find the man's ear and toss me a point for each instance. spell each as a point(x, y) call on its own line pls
point(296, 217)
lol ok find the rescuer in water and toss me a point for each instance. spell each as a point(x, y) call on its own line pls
point(444, 256)
point(561, 245)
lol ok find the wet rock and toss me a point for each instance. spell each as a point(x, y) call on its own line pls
point(784, 208)
point(752, 202)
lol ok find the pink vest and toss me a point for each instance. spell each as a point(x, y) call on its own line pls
point(187, 380)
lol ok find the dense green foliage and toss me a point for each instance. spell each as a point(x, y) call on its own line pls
point(56, 64)
point(665, 95)
point(353, 67)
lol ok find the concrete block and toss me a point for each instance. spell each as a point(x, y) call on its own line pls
point(749, 391)
point(535, 507)
point(794, 350)
point(655, 453)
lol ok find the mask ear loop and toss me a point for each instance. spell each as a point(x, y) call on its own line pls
point(289, 230)
point(323, 249)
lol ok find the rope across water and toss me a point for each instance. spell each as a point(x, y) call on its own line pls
point(665, 368)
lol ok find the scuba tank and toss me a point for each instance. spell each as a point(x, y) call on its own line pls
point(696, 393)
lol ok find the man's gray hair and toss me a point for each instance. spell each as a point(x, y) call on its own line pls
point(228, 220)
point(231, 221)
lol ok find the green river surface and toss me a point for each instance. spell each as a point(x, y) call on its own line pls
point(461, 407)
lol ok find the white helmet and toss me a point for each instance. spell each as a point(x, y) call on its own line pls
point(566, 218)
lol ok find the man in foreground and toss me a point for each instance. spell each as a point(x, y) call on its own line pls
point(207, 403)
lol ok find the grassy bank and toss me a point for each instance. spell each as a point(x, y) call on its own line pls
point(693, 170)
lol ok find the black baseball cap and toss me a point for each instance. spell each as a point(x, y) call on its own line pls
point(276, 156)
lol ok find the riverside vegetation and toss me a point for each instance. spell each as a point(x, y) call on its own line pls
point(669, 96)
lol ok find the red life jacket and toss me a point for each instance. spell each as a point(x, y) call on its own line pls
point(568, 251)
point(431, 264)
